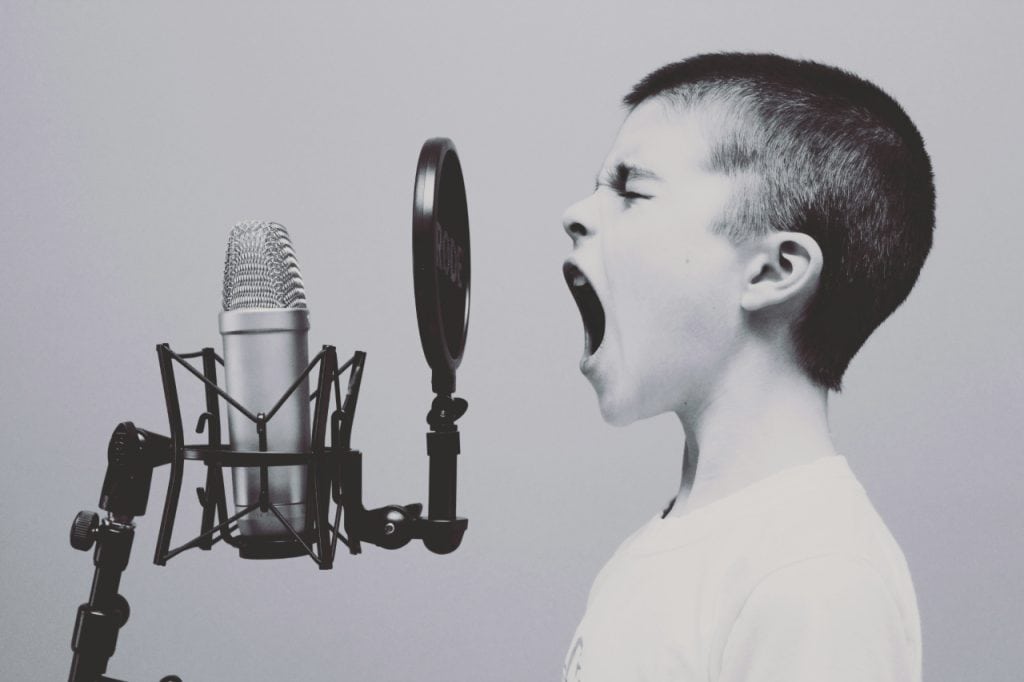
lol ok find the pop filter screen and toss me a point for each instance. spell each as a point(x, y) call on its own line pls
point(441, 265)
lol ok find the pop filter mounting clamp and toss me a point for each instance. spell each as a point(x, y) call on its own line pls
point(441, 266)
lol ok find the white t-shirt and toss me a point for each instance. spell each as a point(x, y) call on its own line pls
point(794, 578)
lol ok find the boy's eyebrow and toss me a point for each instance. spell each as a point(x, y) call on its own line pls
point(618, 176)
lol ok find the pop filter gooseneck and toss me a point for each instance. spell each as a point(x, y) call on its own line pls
point(441, 275)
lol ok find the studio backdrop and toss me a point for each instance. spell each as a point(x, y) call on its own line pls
point(134, 136)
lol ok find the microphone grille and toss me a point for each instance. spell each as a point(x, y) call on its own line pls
point(260, 269)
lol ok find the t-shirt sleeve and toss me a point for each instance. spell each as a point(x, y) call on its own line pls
point(827, 618)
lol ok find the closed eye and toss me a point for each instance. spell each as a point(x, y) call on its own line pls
point(620, 189)
point(631, 196)
point(618, 179)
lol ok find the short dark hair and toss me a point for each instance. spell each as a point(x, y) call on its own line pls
point(821, 151)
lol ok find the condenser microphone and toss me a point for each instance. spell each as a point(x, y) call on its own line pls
point(264, 326)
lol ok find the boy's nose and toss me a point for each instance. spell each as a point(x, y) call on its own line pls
point(577, 221)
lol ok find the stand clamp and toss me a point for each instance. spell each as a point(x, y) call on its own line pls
point(131, 457)
point(442, 530)
point(394, 526)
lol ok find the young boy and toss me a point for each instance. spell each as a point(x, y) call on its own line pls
point(756, 219)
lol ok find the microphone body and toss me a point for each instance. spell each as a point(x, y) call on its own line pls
point(265, 326)
point(264, 352)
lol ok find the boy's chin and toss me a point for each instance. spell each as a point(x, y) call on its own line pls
point(617, 412)
point(622, 408)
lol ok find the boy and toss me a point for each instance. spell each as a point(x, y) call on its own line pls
point(756, 219)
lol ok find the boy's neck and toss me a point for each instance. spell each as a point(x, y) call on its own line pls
point(762, 419)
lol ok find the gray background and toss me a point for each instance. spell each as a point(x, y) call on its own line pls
point(133, 135)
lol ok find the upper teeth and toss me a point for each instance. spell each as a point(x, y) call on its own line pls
point(579, 280)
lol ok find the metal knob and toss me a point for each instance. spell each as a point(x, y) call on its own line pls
point(83, 530)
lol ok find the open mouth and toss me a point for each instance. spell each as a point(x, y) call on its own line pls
point(589, 304)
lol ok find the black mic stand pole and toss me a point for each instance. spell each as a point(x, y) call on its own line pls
point(131, 457)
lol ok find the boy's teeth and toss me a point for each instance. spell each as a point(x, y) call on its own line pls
point(579, 280)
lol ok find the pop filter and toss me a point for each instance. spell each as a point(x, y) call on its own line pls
point(441, 265)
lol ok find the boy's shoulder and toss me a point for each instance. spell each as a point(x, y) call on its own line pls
point(816, 512)
point(819, 565)
point(810, 518)
point(802, 550)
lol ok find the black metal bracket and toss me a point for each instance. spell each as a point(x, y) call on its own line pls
point(318, 533)
point(335, 473)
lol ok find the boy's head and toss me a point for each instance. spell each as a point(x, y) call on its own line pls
point(745, 189)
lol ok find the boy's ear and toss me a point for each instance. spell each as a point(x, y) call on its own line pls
point(784, 267)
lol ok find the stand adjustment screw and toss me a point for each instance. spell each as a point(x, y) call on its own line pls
point(83, 530)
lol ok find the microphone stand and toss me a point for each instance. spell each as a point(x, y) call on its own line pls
point(131, 457)
point(441, 270)
point(334, 473)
